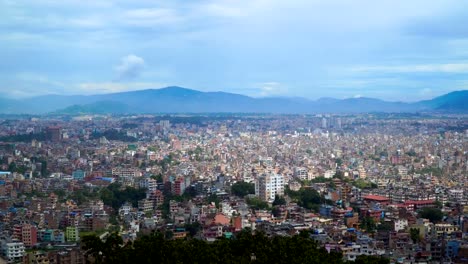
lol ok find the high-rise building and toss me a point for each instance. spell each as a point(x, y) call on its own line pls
point(25, 233)
point(268, 185)
point(179, 186)
point(149, 184)
point(338, 123)
point(324, 123)
point(362, 172)
point(54, 133)
point(29, 235)
point(164, 124)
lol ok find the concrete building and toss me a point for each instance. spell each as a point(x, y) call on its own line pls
point(268, 185)
point(324, 123)
point(29, 235)
point(13, 251)
point(79, 175)
point(149, 184)
point(179, 186)
point(301, 173)
point(72, 234)
point(54, 133)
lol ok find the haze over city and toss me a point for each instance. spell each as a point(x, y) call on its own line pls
point(392, 50)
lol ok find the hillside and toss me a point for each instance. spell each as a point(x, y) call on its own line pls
point(182, 100)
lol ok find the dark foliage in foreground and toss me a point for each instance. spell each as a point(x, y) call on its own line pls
point(245, 248)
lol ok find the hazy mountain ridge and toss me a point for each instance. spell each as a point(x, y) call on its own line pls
point(182, 100)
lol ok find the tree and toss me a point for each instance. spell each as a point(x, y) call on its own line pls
point(193, 228)
point(385, 226)
point(213, 198)
point(305, 197)
point(158, 178)
point(114, 196)
point(363, 184)
point(279, 200)
point(368, 223)
point(190, 192)
point(12, 167)
point(276, 211)
point(247, 247)
point(433, 214)
point(241, 188)
point(169, 234)
point(257, 204)
point(60, 193)
point(438, 204)
point(338, 162)
point(309, 198)
point(414, 233)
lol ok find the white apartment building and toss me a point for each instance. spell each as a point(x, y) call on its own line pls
point(268, 185)
point(13, 251)
point(301, 173)
point(456, 194)
point(149, 184)
point(400, 224)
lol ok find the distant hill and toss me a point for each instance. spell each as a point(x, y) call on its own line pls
point(452, 102)
point(182, 100)
point(100, 107)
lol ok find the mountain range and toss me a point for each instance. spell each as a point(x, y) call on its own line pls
point(182, 100)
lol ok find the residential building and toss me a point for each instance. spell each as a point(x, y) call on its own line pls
point(268, 185)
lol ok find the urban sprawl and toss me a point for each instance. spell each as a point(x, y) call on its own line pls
point(390, 185)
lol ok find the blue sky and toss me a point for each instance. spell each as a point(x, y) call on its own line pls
point(393, 50)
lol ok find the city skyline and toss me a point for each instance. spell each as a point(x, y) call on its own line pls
point(395, 51)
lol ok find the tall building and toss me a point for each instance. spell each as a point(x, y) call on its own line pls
point(72, 234)
point(164, 124)
point(301, 173)
point(268, 185)
point(29, 235)
point(362, 172)
point(54, 133)
point(179, 186)
point(338, 123)
point(324, 123)
point(25, 233)
point(149, 184)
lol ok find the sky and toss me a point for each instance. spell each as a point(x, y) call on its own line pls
point(396, 50)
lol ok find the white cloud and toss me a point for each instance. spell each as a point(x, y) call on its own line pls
point(149, 17)
point(422, 68)
point(130, 67)
point(270, 89)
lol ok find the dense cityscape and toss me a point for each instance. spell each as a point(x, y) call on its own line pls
point(233, 132)
point(390, 186)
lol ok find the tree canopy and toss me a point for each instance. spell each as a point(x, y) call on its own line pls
point(257, 204)
point(279, 200)
point(113, 195)
point(241, 188)
point(306, 197)
point(433, 214)
point(244, 248)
